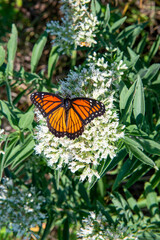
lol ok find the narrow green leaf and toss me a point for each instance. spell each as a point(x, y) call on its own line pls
point(123, 172)
point(117, 24)
point(133, 58)
point(141, 44)
point(132, 141)
point(66, 229)
point(95, 7)
point(2, 54)
point(128, 103)
point(139, 102)
point(152, 202)
point(26, 120)
point(133, 203)
point(53, 58)
point(105, 213)
point(119, 157)
point(126, 32)
point(84, 194)
point(123, 92)
point(11, 50)
point(154, 49)
point(21, 152)
point(108, 164)
point(8, 113)
point(155, 179)
point(141, 156)
point(37, 51)
point(8, 148)
point(122, 206)
point(107, 15)
point(150, 146)
point(151, 72)
point(141, 171)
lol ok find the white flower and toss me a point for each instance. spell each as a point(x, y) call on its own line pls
point(99, 138)
point(95, 227)
point(78, 27)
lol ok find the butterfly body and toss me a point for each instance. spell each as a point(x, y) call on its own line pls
point(66, 116)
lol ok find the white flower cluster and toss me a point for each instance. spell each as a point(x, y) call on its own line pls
point(100, 136)
point(20, 209)
point(78, 27)
point(95, 227)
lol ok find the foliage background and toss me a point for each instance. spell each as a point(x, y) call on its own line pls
point(72, 200)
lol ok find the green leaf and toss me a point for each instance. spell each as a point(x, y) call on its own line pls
point(139, 102)
point(126, 32)
point(123, 92)
point(66, 229)
point(149, 74)
point(133, 204)
point(107, 15)
point(107, 164)
point(37, 51)
point(21, 152)
point(152, 202)
point(53, 58)
point(155, 180)
point(130, 34)
point(26, 120)
point(128, 103)
point(9, 114)
point(123, 172)
point(132, 141)
point(154, 49)
point(141, 156)
point(150, 146)
point(2, 54)
point(8, 147)
point(84, 194)
point(105, 213)
point(95, 7)
point(141, 44)
point(117, 24)
point(121, 206)
point(133, 58)
point(11, 49)
point(143, 169)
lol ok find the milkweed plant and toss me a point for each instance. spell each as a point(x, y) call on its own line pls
point(84, 188)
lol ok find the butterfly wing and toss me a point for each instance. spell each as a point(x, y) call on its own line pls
point(56, 122)
point(46, 102)
point(74, 124)
point(87, 108)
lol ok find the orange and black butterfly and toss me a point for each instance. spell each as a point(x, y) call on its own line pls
point(65, 116)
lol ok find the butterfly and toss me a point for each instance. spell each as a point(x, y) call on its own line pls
point(66, 116)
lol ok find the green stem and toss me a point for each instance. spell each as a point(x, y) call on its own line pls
point(8, 92)
point(48, 228)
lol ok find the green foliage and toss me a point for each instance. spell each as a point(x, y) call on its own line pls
point(67, 199)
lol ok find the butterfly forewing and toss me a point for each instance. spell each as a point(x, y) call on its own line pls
point(87, 108)
point(46, 102)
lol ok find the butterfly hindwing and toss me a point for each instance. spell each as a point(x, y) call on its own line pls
point(87, 108)
point(74, 124)
point(56, 122)
point(46, 102)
